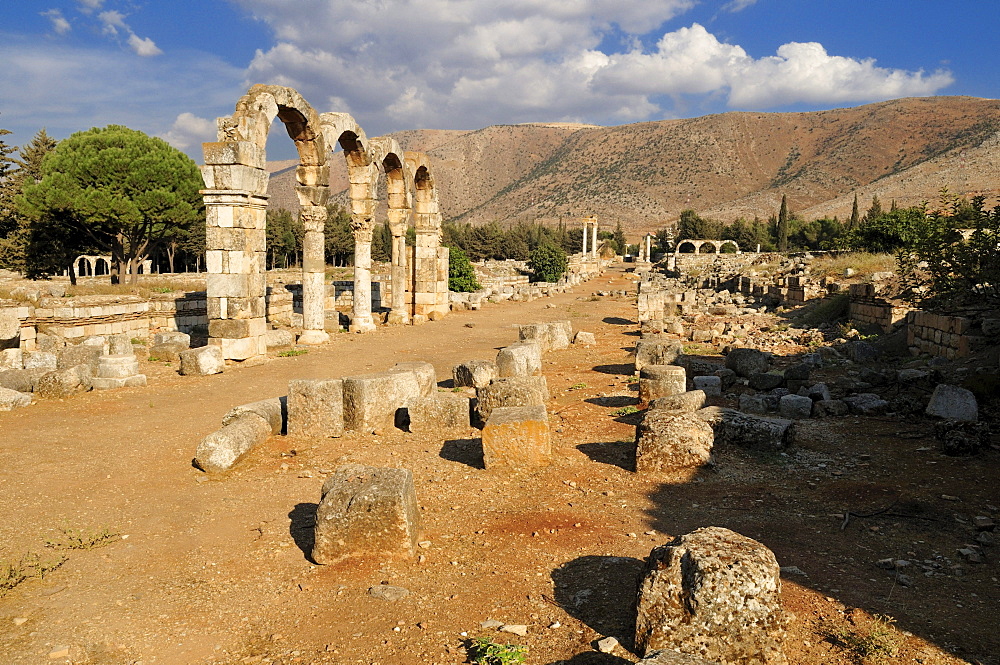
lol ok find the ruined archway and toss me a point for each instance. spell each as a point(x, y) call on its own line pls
point(399, 194)
point(688, 247)
point(429, 266)
point(722, 246)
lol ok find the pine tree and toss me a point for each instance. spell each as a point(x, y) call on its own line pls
point(13, 226)
point(855, 215)
point(874, 211)
point(783, 225)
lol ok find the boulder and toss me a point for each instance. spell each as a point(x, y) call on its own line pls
point(795, 407)
point(540, 333)
point(11, 359)
point(221, 449)
point(727, 376)
point(953, 403)
point(866, 404)
point(584, 338)
point(672, 441)
point(673, 326)
point(12, 399)
point(747, 362)
point(520, 359)
point(41, 360)
point(748, 431)
point(830, 407)
point(818, 392)
point(272, 410)
point(172, 337)
point(671, 657)
point(474, 373)
point(860, 352)
point(316, 407)
point(279, 339)
point(661, 381)
point(81, 354)
point(201, 361)
point(64, 382)
point(170, 351)
point(687, 402)
point(22, 380)
point(366, 510)
point(439, 411)
point(962, 437)
point(517, 437)
point(711, 385)
point(714, 594)
point(10, 328)
point(656, 352)
point(765, 380)
point(508, 392)
point(758, 404)
point(798, 372)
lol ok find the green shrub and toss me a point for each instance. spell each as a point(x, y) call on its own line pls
point(485, 651)
point(548, 263)
point(461, 276)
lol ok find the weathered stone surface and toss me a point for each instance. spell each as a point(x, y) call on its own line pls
point(120, 345)
point(656, 352)
point(757, 404)
point(866, 404)
point(10, 328)
point(167, 351)
point(830, 407)
point(11, 359)
point(22, 380)
point(272, 410)
point(687, 402)
point(671, 657)
point(711, 385)
point(315, 407)
point(12, 399)
point(860, 352)
point(511, 391)
point(202, 361)
point(40, 360)
point(117, 366)
point(221, 449)
point(795, 407)
point(727, 376)
point(747, 362)
point(673, 325)
point(661, 381)
point(104, 383)
point(560, 334)
point(671, 441)
point(366, 510)
point(64, 382)
point(765, 380)
point(447, 411)
point(714, 594)
point(172, 337)
point(279, 339)
point(517, 437)
point(696, 366)
point(584, 338)
point(474, 373)
point(520, 359)
point(424, 373)
point(746, 430)
point(81, 354)
point(953, 403)
point(962, 437)
point(798, 372)
point(49, 342)
point(372, 400)
point(818, 392)
point(536, 332)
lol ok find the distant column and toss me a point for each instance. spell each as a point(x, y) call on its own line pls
point(585, 231)
point(362, 225)
point(397, 225)
point(649, 248)
point(313, 276)
point(593, 246)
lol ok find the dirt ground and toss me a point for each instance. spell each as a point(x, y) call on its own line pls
point(216, 571)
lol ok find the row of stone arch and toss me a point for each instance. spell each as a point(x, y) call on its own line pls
point(709, 246)
point(87, 265)
point(235, 198)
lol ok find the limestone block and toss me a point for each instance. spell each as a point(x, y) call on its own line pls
point(584, 338)
point(510, 392)
point(715, 594)
point(82, 354)
point(687, 402)
point(661, 381)
point(866, 404)
point(520, 359)
point(371, 400)
point(560, 334)
point(10, 328)
point(41, 360)
point(22, 380)
point(272, 410)
point(167, 351)
point(366, 510)
point(673, 325)
point(758, 404)
point(818, 392)
point(747, 362)
point(316, 407)
point(474, 373)
point(798, 372)
point(671, 657)
point(223, 448)
point(448, 411)
point(424, 373)
point(671, 441)
point(172, 337)
point(202, 361)
point(120, 345)
point(11, 359)
point(795, 407)
point(710, 384)
point(656, 352)
point(517, 437)
point(538, 333)
point(117, 366)
point(953, 403)
point(765, 380)
point(12, 399)
point(64, 382)
point(733, 427)
point(279, 339)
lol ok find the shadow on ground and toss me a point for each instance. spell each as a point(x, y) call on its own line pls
point(615, 453)
point(618, 321)
point(627, 369)
point(302, 521)
point(464, 451)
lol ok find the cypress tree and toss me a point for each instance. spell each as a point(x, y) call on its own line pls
point(783, 225)
point(855, 215)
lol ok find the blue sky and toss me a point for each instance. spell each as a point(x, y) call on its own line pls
point(170, 68)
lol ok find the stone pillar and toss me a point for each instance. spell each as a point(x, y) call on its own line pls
point(593, 245)
point(361, 315)
point(586, 229)
point(397, 224)
point(313, 276)
point(649, 248)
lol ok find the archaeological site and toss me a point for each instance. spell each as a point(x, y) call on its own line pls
point(698, 451)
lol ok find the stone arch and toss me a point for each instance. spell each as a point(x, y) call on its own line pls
point(83, 266)
point(430, 260)
point(695, 246)
point(399, 198)
point(726, 243)
point(708, 247)
point(235, 198)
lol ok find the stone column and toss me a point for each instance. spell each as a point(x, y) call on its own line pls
point(313, 276)
point(586, 228)
point(593, 245)
point(649, 249)
point(397, 225)
point(361, 315)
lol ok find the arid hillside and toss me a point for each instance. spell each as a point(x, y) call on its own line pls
point(724, 166)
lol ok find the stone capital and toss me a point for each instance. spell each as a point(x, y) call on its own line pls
point(313, 218)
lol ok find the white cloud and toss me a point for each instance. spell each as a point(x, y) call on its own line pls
point(59, 22)
point(88, 6)
point(189, 131)
point(738, 5)
point(143, 47)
